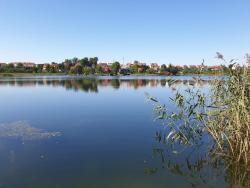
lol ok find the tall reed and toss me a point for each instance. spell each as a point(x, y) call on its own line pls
point(223, 116)
point(228, 122)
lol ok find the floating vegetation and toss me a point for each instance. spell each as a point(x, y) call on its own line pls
point(150, 171)
point(24, 131)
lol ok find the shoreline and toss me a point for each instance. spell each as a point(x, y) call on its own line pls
point(5, 75)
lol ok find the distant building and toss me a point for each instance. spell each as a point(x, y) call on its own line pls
point(155, 66)
point(124, 71)
point(125, 66)
point(180, 67)
point(24, 64)
point(56, 66)
point(216, 68)
point(138, 63)
point(105, 67)
point(39, 65)
point(106, 70)
point(29, 65)
point(14, 64)
point(141, 69)
point(193, 66)
point(45, 66)
point(2, 64)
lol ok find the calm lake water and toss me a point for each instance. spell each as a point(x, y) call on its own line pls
point(106, 134)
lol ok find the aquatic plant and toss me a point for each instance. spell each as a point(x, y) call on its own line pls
point(220, 119)
point(24, 131)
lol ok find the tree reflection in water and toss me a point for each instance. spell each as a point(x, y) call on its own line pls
point(198, 165)
point(199, 170)
point(193, 165)
point(92, 84)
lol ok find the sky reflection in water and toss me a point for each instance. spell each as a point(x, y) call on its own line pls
point(108, 133)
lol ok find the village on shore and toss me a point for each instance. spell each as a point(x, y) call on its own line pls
point(89, 66)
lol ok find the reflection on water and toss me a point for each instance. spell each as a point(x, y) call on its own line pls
point(107, 138)
point(198, 163)
point(193, 165)
point(198, 169)
point(92, 84)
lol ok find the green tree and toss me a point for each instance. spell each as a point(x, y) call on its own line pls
point(93, 61)
point(10, 66)
point(61, 67)
point(67, 65)
point(172, 69)
point(75, 60)
point(19, 65)
point(163, 68)
point(98, 69)
point(115, 67)
point(39, 68)
point(84, 62)
point(78, 69)
point(88, 70)
point(150, 71)
point(47, 69)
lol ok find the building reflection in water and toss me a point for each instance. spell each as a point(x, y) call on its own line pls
point(92, 84)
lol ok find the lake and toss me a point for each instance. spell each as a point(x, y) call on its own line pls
point(95, 132)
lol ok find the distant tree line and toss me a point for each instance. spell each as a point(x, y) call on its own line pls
point(90, 66)
point(19, 68)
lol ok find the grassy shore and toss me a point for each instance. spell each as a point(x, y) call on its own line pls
point(144, 74)
point(62, 74)
point(30, 74)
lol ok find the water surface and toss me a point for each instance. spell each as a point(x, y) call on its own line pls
point(107, 133)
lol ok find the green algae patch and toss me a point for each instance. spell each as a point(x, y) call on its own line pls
point(24, 131)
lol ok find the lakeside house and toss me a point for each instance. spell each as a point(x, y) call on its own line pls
point(106, 67)
point(130, 67)
point(180, 67)
point(216, 68)
point(103, 65)
point(39, 65)
point(155, 67)
point(3, 64)
point(125, 66)
point(24, 64)
point(56, 66)
point(213, 67)
point(45, 66)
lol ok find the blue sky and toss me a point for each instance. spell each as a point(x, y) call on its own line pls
point(163, 31)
